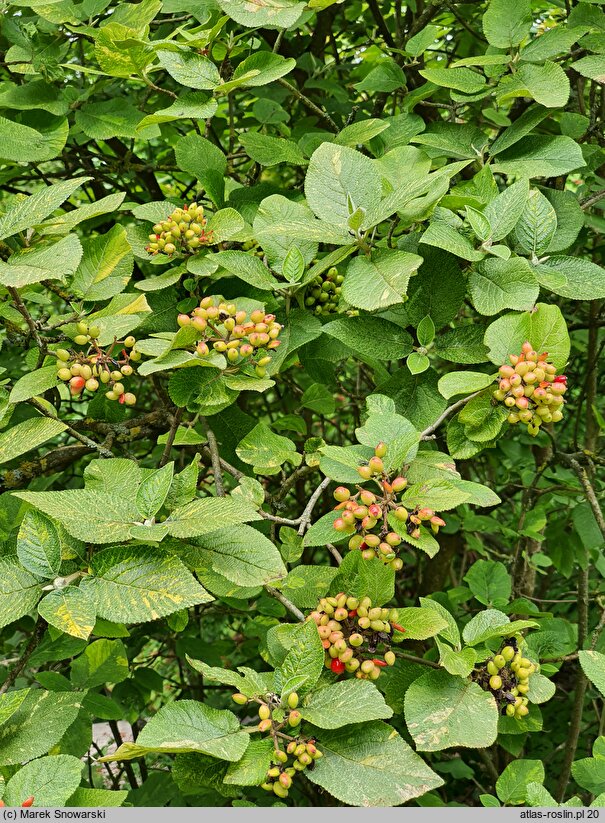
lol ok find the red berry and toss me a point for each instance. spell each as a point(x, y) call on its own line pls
point(27, 803)
point(76, 384)
point(397, 626)
point(377, 662)
point(560, 378)
point(353, 613)
point(337, 666)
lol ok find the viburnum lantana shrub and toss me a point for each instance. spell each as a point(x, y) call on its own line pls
point(301, 403)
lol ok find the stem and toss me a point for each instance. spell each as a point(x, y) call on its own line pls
point(285, 602)
point(215, 458)
point(103, 452)
point(306, 515)
point(39, 630)
point(171, 435)
point(450, 410)
point(309, 104)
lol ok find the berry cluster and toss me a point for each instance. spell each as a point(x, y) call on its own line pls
point(531, 389)
point(275, 716)
point(351, 631)
point(182, 231)
point(97, 367)
point(365, 515)
point(506, 675)
point(323, 293)
point(240, 338)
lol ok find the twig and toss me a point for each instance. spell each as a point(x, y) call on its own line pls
point(176, 419)
point(413, 659)
point(81, 437)
point(334, 552)
point(39, 630)
point(285, 602)
point(589, 491)
point(450, 410)
point(306, 515)
point(309, 104)
point(215, 458)
point(594, 198)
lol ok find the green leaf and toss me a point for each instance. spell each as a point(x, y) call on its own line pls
point(19, 590)
point(240, 553)
point(96, 798)
point(38, 724)
point(188, 726)
point(371, 336)
point(547, 84)
point(103, 661)
point(593, 666)
point(504, 211)
point(264, 449)
point(545, 328)
point(365, 578)
point(551, 43)
point(581, 279)
point(252, 769)
point(443, 236)
point(463, 382)
point(489, 582)
point(417, 363)
point(153, 490)
point(50, 780)
point(495, 285)
point(70, 610)
point(506, 23)
point(21, 143)
point(108, 515)
point(592, 66)
point(303, 664)
point(360, 132)
point(189, 68)
point(189, 106)
point(106, 266)
point(249, 682)
point(340, 180)
point(33, 209)
point(511, 786)
point(38, 545)
point(43, 262)
point(464, 80)
point(492, 623)
point(205, 515)
point(276, 14)
point(134, 584)
point(420, 623)
point(379, 281)
point(270, 151)
point(224, 224)
point(537, 225)
point(33, 383)
point(333, 706)
point(371, 766)
point(265, 67)
point(540, 156)
point(442, 711)
point(462, 345)
point(247, 268)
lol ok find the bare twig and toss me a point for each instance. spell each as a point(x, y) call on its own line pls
point(450, 410)
point(171, 435)
point(215, 458)
point(103, 452)
point(307, 513)
point(285, 602)
point(309, 104)
point(14, 673)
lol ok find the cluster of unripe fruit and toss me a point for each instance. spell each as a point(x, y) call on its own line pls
point(182, 231)
point(531, 389)
point(351, 632)
point(323, 293)
point(366, 516)
point(506, 675)
point(241, 338)
point(97, 367)
point(277, 716)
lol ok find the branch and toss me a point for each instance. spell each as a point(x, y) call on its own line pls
point(307, 513)
point(450, 409)
point(103, 452)
point(215, 458)
point(176, 419)
point(380, 22)
point(594, 198)
point(285, 602)
point(39, 630)
point(589, 491)
point(309, 104)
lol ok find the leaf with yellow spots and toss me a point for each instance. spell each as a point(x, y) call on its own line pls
point(71, 610)
point(134, 584)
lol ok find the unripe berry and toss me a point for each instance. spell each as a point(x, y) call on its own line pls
point(82, 328)
point(62, 354)
point(499, 661)
point(389, 658)
point(94, 331)
point(376, 465)
point(365, 472)
point(81, 339)
point(380, 450)
point(92, 384)
point(183, 320)
point(492, 668)
point(495, 682)
point(522, 711)
point(264, 725)
point(508, 653)
point(292, 700)
point(341, 494)
point(399, 484)
point(264, 712)
point(240, 699)
point(64, 374)
point(295, 717)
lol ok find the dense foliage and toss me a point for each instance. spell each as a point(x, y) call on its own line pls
point(301, 408)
